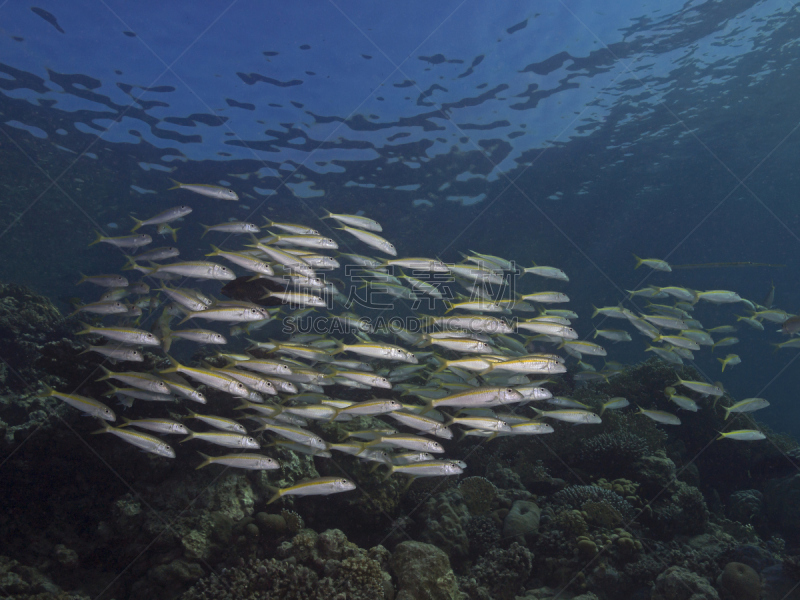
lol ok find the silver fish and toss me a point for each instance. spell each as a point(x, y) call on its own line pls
point(171, 214)
point(321, 486)
point(148, 443)
point(123, 334)
point(253, 462)
point(90, 406)
point(124, 241)
point(210, 191)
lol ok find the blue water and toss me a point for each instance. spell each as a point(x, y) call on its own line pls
point(565, 133)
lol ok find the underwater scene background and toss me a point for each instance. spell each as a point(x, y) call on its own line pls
point(482, 140)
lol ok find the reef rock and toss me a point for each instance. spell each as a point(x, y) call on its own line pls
point(314, 567)
point(19, 581)
point(654, 473)
point(745, 506)
point(521, 522)
point(446, 518)
point(677, 583)
point(423, 573)
point(739, 582)
point(499, 575)
point(782, 504)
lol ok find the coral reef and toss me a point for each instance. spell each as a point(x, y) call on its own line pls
point(782, 505)
point(499, 574)
point(314, 567)
point(27, 322)
point(677, 583)
point(18, 582)
point(739, 582)
point(478, 493)
point(682, 511)
point(745, 506)
point(423, 573)
point(521, 522)
point(611, 454)
point(577, 495)
point(483, 533)
point(473, 537)
point(445, 517)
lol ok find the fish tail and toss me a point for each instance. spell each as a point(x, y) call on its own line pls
point(205, 463)
point(596, 331)
point(138, 223)
point(335, 414)
point(103, 428)
point(186, 318)
point(205, 229)
point(176, 184)
point(191, 436)
point(328, 215)
point(339, 347)
point(50, 391)
point(727, 413)
point(174, 366)
point(130, 264)
point(83, 278)
point(98, 239)
point(87, 329)
point(174, 232)
point(114, 389)
point(126, 422)
point(639, 261)
point(722, 360)
point(408, 484)
point(107, 374)
point(216, 251)
point(602, 410)
point(445, 364)
point(389, 473)
point(275, 496)
point(596, 311)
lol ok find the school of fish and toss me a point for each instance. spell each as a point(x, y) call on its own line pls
point(469, 368)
